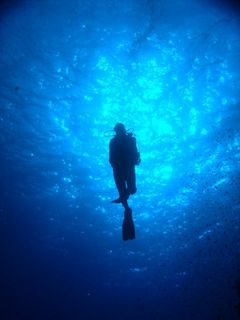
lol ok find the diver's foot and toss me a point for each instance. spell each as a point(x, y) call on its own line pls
point(118, 200)
point(128, 213)
point(128, 210)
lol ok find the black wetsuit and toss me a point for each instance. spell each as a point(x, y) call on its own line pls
point(123, 156)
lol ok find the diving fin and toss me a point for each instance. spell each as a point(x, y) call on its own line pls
point(128, 229)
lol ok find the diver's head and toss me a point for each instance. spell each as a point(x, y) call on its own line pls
point(120, 129)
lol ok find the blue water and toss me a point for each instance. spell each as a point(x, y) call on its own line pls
point(69, 70)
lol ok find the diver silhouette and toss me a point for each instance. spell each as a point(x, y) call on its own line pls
point(123, 157)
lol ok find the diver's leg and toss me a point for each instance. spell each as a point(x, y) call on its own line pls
point(131, 181)
point(120, 184)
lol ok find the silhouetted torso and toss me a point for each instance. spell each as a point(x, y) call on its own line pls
point(123, 151)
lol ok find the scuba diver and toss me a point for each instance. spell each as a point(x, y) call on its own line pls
point(123, 157)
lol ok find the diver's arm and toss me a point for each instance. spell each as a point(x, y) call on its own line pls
point(136, 153)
